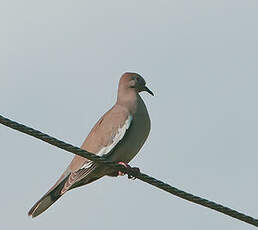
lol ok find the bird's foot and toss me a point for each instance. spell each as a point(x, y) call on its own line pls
point(132, 169)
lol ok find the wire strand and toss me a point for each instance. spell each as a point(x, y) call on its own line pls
point(141, 176)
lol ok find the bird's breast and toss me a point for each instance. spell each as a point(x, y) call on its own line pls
point(135, 136)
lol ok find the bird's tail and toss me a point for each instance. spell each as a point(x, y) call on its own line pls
point(48, 199)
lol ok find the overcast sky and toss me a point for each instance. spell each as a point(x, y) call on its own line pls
point(60, 66)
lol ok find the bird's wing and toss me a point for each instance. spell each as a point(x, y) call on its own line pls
point(104, 136)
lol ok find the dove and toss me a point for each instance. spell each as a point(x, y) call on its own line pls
point(118, 135)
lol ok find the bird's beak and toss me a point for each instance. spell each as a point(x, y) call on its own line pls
point(145, 88)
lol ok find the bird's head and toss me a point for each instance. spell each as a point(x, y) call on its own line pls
point(134, 81)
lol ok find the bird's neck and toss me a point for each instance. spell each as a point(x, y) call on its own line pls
point(128, 99)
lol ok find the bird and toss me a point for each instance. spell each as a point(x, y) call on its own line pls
point(118, 135)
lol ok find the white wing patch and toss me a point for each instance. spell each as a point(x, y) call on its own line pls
point(118, 137)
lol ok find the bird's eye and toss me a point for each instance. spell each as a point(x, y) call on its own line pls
point(137, 78)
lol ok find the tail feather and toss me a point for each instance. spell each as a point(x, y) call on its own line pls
point(47, 200)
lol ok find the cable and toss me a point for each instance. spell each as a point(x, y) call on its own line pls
point(133, 173)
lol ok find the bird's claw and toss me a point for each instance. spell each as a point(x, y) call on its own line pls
point(132, 169)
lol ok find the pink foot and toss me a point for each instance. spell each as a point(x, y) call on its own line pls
point(135, 169)
point(125, 165)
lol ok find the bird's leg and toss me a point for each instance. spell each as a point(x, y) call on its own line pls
point(134, 169)
point(119, 173)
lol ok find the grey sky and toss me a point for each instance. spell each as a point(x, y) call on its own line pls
point(60, 65)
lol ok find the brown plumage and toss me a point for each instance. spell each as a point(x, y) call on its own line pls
point(123, 129)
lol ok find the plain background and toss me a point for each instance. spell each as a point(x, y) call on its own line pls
point(60, 65)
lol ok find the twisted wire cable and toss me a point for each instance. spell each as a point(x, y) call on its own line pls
point(132, 173)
